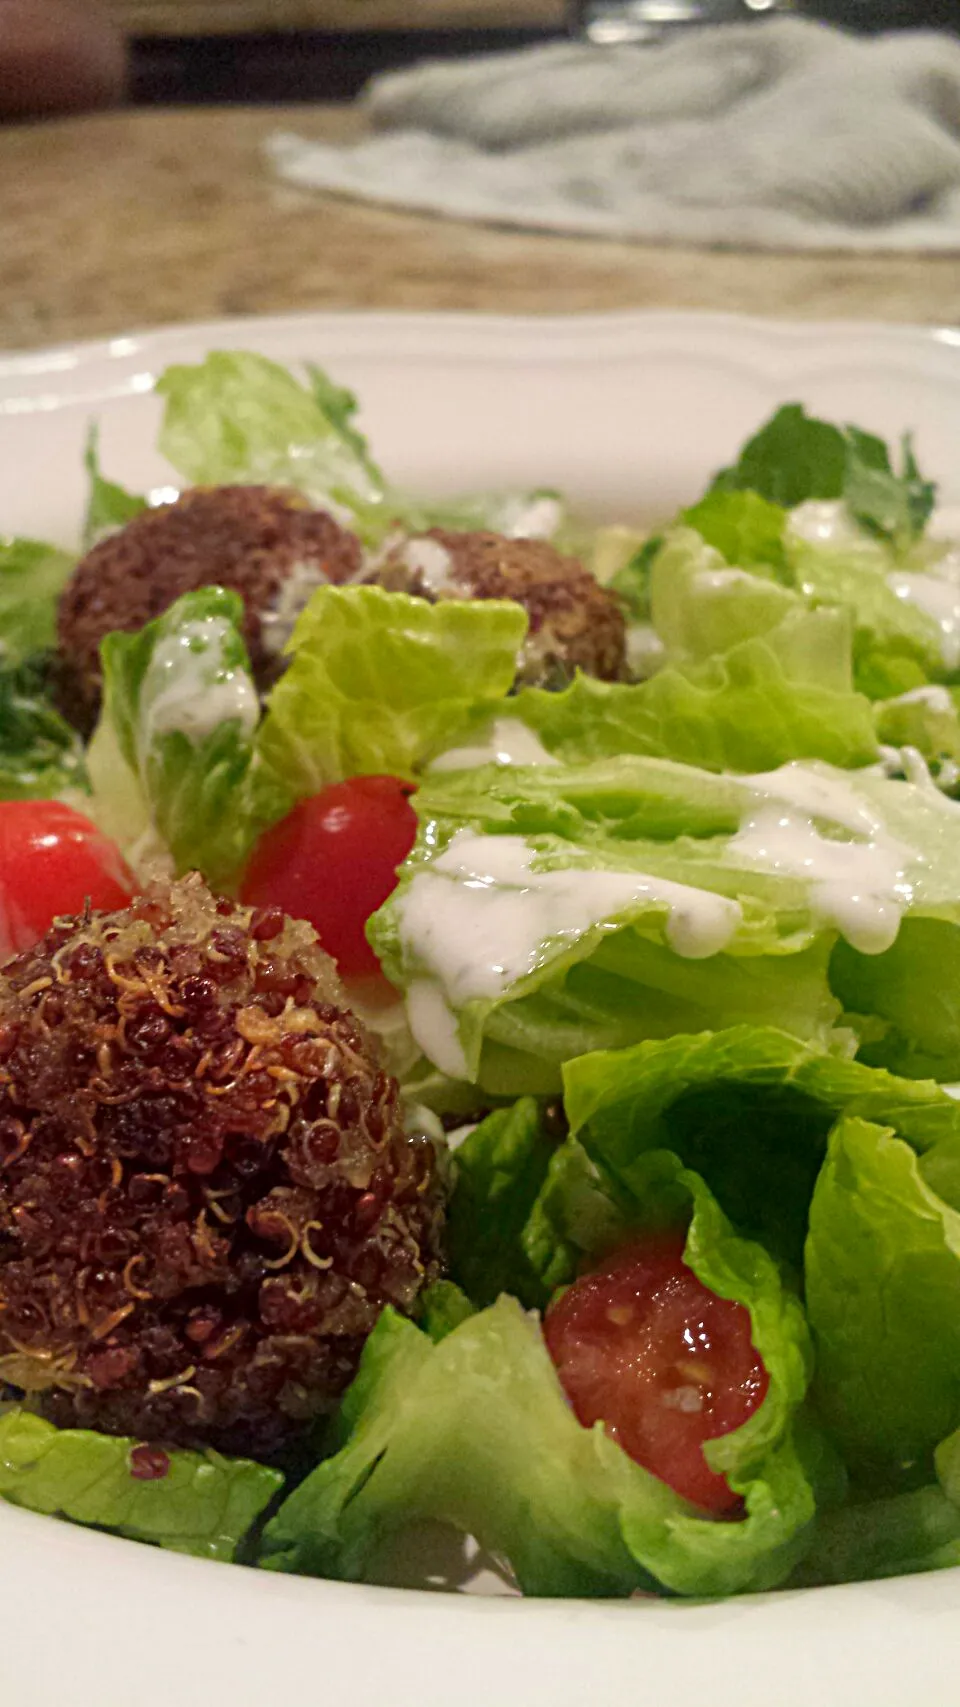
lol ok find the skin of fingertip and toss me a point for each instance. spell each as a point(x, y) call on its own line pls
point(58, 56)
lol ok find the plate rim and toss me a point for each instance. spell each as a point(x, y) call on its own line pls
point(576, 333)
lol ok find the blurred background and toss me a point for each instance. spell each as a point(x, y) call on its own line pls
point(214, 51)
point(169, 160)
point(289, 50)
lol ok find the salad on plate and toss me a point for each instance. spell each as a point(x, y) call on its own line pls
point(479, 1002)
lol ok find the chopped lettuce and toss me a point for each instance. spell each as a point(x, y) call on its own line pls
point(578, 1213)
point(750, 1108)
point(379, 680)
point(745, 528)
point(597, 972)
point(32, 577)
point(887, 1537)
point(203, 1504)
point(752, 678)
point(238, 419)
point(441, 1308)
point(181, 710)
point(883, 1296)
point(747, 710)
point(109, 506)
point(475, 1432)
point(40, 755)
point(567, 877)
point(498, 1172)
point(927, 720)
point(897, 646)
point(907, 999)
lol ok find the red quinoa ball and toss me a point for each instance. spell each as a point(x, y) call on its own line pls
point(207, 1193)
point(267, 545)
point(575, 624)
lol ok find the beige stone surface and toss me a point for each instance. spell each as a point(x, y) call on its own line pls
point(141, 218)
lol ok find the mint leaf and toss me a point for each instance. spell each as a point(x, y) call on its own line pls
point(795, 457)
point(792, 458)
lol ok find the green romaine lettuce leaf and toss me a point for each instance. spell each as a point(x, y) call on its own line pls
point(475, 1432)
point(745, 528)
point(896, 645)
point(32, 577)
point(746, 710)
point(238, 419)
point(605, 969)
point(181, 708)
point(378, 680)
point(204, 1504)
point(928, 720)
point(753, 678)
point(441, 1308)
point(889, 1537)
point(498, 1171)
point(750, 1109)
point(579, 1213)
point(40, 755)
point(109, 506)
point(882, 1266)
point(630, 579)
point(910, 996)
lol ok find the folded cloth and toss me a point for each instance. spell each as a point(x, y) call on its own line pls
point(780, 134)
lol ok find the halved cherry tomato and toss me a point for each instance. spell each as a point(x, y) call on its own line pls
point(642, 1346)
point(333, 860)
point(52, 861)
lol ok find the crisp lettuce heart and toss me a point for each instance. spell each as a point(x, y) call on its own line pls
point(378, 680)
point(190, 1502)
point(475, 1432)
point(175, 746)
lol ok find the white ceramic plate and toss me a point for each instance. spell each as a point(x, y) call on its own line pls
point(628, 414)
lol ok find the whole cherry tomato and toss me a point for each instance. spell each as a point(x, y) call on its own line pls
point(53, 861)
point(333, 860)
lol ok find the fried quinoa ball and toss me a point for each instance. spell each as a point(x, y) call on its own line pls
point(207, 1194)
point(574, 622)
point(265, 544)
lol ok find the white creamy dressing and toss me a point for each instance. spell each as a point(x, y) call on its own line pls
point(934, 697)
point(433, 1025)
point(938, 599)
point(478, 919)
point(935, 592)
point(858, 884)
point(507, 741)
point(278, 622)
point(188, 688)
point(645, 650)
point(531, 518)
point(719, 580)
point(431, 560)
point(825, 522)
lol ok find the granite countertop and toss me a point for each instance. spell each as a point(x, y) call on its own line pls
point(139, 218)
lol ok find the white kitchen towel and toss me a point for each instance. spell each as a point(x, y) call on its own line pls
point(781, 134)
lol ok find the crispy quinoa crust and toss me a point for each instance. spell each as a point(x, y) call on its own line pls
point(574, 622)
point(206, 1191)
point(251, 539)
